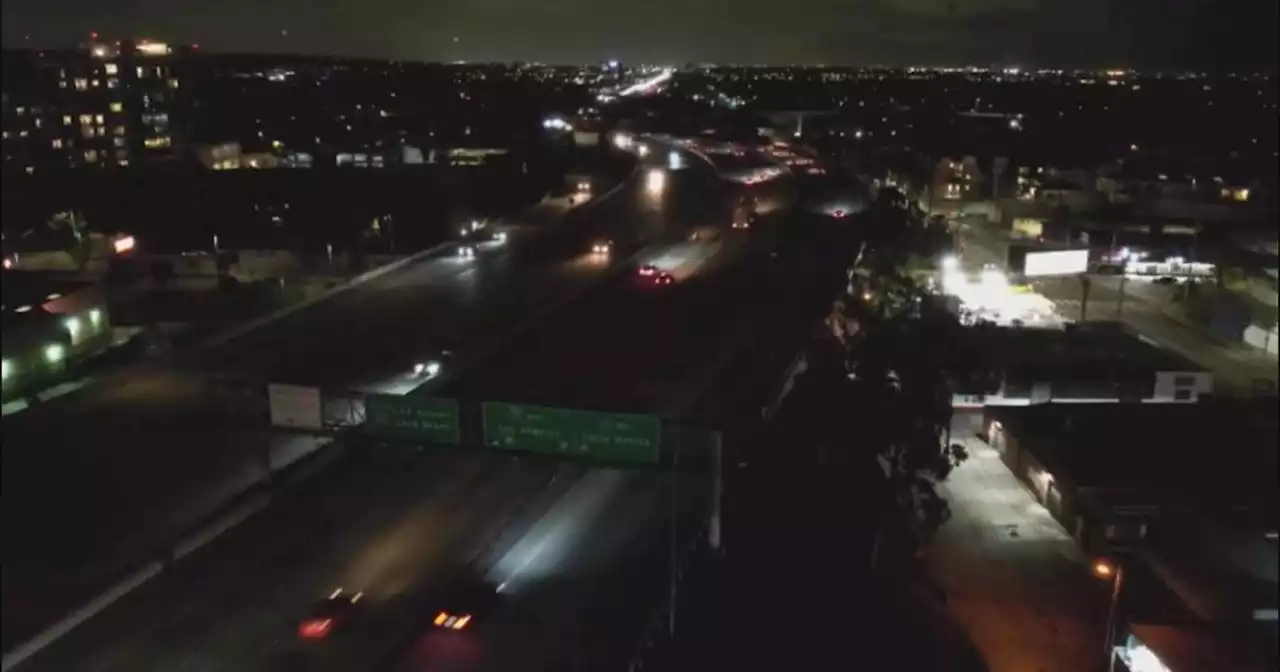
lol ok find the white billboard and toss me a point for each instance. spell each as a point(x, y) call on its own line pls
point(295, 406)
point(1061, 262)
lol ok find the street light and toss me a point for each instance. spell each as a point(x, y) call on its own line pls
point(1112, 571)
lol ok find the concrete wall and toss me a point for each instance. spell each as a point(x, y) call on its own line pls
point(252, 265)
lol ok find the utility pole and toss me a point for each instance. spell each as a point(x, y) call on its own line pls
point(674, 560)
point(1124, 277)
point(1086, 284)
point(717, 491)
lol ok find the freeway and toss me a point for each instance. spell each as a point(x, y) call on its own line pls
point(122, 464)
point(635, 345)
point(397, 534)
point(225, 620)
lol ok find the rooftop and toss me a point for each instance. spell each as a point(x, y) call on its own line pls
point(24, 292)
point(1202, 649)
point(1219, 453)
point(1079, 352)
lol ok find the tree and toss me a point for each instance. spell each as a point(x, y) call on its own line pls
point(75, 228)
point(898, 358)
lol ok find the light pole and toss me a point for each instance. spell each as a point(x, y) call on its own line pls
point(675, 536)
point(1106, 569)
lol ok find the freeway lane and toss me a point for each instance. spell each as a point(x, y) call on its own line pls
point(391, 532)
point(630, 346)
point(118, 465)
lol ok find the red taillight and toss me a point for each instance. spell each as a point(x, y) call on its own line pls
point(315, 629)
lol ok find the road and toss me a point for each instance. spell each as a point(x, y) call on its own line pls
point(549, 534)
point(122, 464)
point(397, 534)
point(636, 346)
point(1148, 309)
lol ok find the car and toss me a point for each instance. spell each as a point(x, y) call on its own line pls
point(474, 229)
point(427, 369)
point(664, 278)
point(648, 270)
point(328, 614)
point(463, 604)
point(466, 252)
point(602, 247)
point(742, 223)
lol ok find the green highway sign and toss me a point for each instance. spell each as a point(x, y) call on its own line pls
point(392, 416)
point(613, 437)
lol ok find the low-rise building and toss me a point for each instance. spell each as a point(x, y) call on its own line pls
point(49, 324)
point(1110, 473)
point(1095, 362)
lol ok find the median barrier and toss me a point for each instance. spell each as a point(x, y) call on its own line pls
point(84, 613)
point(237, 509)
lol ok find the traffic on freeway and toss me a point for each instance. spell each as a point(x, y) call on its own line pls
point(192, 444)
point(666, 213)
point(355, 569)
point(628, 345)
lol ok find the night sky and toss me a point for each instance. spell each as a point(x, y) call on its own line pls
point(1140, 33)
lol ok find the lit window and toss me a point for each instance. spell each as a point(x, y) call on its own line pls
point(81, 84)
point(66, 120)
point(173, 83)
point(102, 131)
point(118, 141)
point(86, 119)
point(57, 143)
point(86, 131)
point(30, 170)
point(113, 83)
point(91, 155)
point(20, 110)
point(124, 162)
point(141, 72)
point(110, 68)
point(117, 106)
point(22, 133)
point(39, 122)
point(157, 142)
point(96, 83)
point(122, 155)
point(118, 130)
point(62, 84)
point(99, 119)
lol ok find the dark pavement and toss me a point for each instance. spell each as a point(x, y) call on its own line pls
point(125, 462)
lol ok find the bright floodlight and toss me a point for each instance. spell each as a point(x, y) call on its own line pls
point(950, 264)
point(54, 353)
point(622, 141)
point(994, 278)
point(674, 160)
point(642, 150)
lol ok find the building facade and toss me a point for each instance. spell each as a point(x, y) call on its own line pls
point(105, 105)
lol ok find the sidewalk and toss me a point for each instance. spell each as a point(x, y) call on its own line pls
point(1014, 579)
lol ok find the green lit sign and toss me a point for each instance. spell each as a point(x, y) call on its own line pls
point(411, 418)
point(611, 437)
